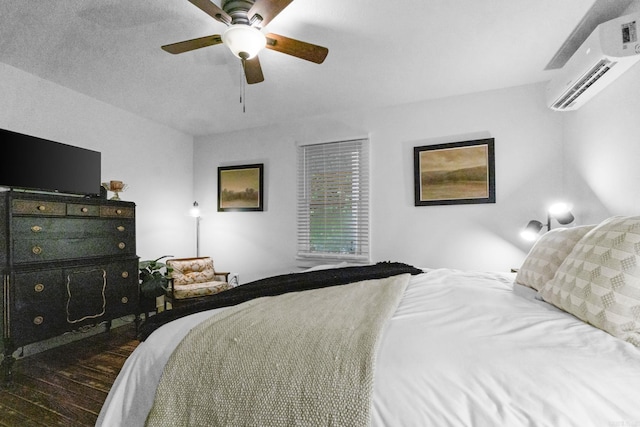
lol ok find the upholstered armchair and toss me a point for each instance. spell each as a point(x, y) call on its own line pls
point(193, 278)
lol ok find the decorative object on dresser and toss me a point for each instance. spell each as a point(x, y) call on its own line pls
point(68, 263)
point(116, 187)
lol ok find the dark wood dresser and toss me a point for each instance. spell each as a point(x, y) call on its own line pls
point(68, 263)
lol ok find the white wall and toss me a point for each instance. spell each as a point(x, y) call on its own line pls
point(602, 151)
point(528, 141)
point(154, 160)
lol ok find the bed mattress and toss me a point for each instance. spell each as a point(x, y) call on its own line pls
point(462, 349)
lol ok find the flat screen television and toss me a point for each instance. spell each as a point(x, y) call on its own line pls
point(32, 163)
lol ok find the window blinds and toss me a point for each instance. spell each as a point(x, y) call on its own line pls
point(333, 200)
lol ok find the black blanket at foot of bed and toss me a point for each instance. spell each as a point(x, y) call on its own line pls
point(277, 285)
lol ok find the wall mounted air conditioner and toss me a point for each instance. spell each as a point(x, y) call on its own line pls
point(610, 50)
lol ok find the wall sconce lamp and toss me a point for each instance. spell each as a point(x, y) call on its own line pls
point(195, 212)
point(559, 211)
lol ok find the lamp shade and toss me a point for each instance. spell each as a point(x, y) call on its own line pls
point(244, 41)
point(562, 213)
point(532, 230)
point(565, 218)
point(195, 210)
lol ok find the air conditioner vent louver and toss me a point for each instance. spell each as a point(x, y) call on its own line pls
point(579, 88)
point(611, 49)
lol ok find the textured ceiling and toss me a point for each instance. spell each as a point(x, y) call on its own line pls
point(380, 53)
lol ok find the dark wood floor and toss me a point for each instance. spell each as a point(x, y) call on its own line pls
point(67, 385)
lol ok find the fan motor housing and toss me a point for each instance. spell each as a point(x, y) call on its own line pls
point(237, 10)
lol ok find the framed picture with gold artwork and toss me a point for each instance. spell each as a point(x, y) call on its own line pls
point(455, 173)
point(241, 188)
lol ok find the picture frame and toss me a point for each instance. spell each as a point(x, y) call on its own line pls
point(241, 188)
point(455, 173)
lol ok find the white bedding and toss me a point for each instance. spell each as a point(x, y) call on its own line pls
point(462, 349)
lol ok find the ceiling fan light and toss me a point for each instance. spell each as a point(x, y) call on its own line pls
point(244, 41)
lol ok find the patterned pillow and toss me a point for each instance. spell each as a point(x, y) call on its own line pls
point(547, 254)
point(599, 281)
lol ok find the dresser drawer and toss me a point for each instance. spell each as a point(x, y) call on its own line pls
point(42, 250)
point(117, 212)
point(37, 323)
point(41, 288)
point(38, 207)
point(77, 209)
point(123, 289)
point(38, 305)
point(54, 228)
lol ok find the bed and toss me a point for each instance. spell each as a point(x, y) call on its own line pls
point(555, 344)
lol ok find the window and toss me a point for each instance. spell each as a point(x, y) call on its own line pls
point(333, 200)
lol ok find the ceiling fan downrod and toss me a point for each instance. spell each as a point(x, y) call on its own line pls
point(243, 86)
point(238, 10)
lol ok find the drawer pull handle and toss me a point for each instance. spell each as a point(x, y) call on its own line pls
point(38, 320)
point(42, 208)
point(119, 211)
point(121, 245)
point(125, 274)
point(84, 210)
point(39, 287)
point(37, 250)
point(36, 228)
point(120, 228)
point(124, 300)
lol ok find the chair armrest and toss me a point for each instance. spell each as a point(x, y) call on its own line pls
point(222, 273)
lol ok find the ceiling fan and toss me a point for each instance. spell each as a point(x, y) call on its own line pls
point(243, 36)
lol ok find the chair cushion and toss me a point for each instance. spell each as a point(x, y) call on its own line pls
point(199, 289)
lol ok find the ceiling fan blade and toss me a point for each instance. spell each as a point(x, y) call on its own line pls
point(252, 70)
point(297, 48)
point(267, 9)
point(192, 44)
point(212, 10)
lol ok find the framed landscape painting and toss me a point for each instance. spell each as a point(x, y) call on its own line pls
point(240, 188)
point(455, 173)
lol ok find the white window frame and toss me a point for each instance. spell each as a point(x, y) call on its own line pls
point(317, 165)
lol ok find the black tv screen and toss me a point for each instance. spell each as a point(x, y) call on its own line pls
point(32, 163)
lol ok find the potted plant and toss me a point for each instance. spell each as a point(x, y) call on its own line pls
point(153, 277)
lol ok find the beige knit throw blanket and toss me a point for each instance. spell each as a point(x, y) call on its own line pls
point(297, 359)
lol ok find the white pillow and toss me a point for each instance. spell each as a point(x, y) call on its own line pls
point(547, 254)
point(599, 281)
